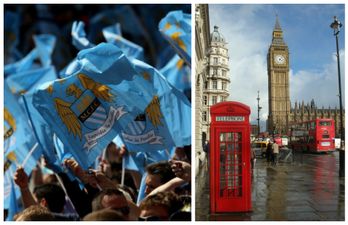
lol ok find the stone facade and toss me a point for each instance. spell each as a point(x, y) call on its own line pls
point(215, 88)
point(202, 33)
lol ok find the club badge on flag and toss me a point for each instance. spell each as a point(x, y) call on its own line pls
point(101, 100)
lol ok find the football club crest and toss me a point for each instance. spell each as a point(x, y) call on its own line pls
point(136, 134)
point(11, 157)
point(9, 124)
point(9, 129)
point(88, 110)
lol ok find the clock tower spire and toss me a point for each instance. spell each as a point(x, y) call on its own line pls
point(278, 83)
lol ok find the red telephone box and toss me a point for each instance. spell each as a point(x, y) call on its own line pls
point(230, 173)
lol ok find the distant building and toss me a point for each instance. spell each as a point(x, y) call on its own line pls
point(215, 88)
point(281, 114)
point(202, 42)
point(254, 130)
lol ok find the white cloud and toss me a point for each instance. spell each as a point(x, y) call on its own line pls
point(322, 86)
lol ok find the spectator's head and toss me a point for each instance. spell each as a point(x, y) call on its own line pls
point(50, 196)
point(105, 215)
point(160, 206)
point(111, 199)
point(157, 174)
point(183, 153)
point(34, 213)
point(112, 153)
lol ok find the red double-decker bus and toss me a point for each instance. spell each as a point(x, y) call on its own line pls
point(314, 136)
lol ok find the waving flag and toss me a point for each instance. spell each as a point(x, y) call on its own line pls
point(174, 108)
point(20, 145)
point(45, 45)
point(22, 65)
point(178, 74)
point(123, 14)
point(13, 208)
point(113, 35)
point(104, 97)
point(41, 129)
point(79, 36)
point(11, 191)
point(176, 28)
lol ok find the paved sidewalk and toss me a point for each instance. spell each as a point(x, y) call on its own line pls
point(308, 189)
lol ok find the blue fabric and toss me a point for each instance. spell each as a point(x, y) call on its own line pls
point(41, 129)
point(113, 35)
point(78, 34)
point(45, 44)
point(174, 107)
point(18, 136)
point(121, 93)
point(141, 194)
point(13, 208)
point(176, 29)
point(178, 74)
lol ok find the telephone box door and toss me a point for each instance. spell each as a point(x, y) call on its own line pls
point(232, 189)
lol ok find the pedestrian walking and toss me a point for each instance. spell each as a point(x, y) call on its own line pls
point(275, 153)
point(206, 149)
point(269, 153)
point(252, 159)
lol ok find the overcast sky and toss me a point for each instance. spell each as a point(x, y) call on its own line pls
point(306, 30)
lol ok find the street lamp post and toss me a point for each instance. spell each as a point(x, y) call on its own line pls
point(258, 113)
point(336, 25)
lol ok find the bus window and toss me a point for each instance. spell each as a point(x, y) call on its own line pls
point(324, 123)
point(326, 136)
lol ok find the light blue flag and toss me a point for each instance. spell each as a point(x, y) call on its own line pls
point(141, 193)
point(123, 14)
point(22, 82)
point(13, 208)
point(45, 45)
point(164, 56)
point(113, 35)
point(178, 74)
point(70, 69)
point(89, 108)
point(174, 109)
point(19, 140)
point(25, 63)
point(176, 29)
point(9, 188)
point(78, 34)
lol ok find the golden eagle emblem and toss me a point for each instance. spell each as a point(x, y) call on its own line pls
point(153, 112)
point(86, 103)
point(11, 122)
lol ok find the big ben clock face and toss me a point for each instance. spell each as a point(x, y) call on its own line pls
point(279, 59)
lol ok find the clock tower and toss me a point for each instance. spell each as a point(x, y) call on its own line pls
point(278, 83)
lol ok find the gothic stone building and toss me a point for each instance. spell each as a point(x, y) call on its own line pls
point(281, 115)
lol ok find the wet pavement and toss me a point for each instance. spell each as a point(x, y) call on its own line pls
point(307, 189)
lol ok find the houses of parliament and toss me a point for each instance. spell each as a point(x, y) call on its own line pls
point(281, 114)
